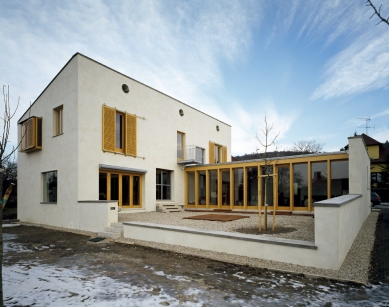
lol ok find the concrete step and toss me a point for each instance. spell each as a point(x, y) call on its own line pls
point(111, 235)
point(169, 207)
point(117, 225)
point(114, 229)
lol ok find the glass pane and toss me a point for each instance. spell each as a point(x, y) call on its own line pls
point(102, 186)
point(284, 186)
point(166, 177)
point(213, 188)
point(238, 187)
point(202, 187)
point(267, 186)
point(300, 185)
point(50, 190)
point(216, 152)
point(125, 190)
point(119, 131)
point(191, 188)
point(252, 186)
point(136, 190)
point(179, 145)
point(319, 181)
point(158, 176)
point(158, 192)
point(226, 188)
point(339, 178)
point(114, 187)
point(166, 192)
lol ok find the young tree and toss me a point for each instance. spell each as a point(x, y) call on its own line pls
point(270, 141)
point(307, 146)
point(5, 155)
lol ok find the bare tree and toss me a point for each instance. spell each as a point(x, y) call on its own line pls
point(377, 12)
point(4, 158)
point(270, 141)
point(307, 146)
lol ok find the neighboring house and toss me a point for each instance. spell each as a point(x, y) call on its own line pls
point(96, 135)
point(377, 152)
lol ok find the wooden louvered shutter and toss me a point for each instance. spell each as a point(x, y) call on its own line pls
point(224, 154)
point(130, 135)
point(109, 115)
point(211, 153)
point(29, 134)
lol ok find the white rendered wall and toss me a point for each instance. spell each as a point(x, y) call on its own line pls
point(156, 135)
point(58, 153)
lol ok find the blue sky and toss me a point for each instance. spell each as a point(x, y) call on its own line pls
point(313, 67)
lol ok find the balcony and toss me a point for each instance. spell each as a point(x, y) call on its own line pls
point(190, 154)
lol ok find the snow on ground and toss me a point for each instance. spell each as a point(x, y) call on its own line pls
point(35, 284)
point(47, 285)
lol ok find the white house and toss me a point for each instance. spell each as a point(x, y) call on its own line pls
point(96, 140)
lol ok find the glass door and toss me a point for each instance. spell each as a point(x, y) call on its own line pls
point(126, 188)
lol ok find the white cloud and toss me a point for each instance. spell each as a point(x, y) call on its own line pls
point(380, 114)
point(362, 67)
point(175, 47)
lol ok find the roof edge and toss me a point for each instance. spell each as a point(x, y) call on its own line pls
point(77, 53)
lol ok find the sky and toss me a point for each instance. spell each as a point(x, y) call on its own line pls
point(318, 70)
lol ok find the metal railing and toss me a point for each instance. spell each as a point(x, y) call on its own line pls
point(190, 153)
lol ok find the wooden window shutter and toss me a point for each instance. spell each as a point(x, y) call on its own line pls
point(130, 135)
point(109, 117)
point(224, 155)
point(211, 153)
point(29, 139)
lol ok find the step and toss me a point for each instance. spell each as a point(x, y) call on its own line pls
point(117, 225)
point(114, 229)
point(111, 235)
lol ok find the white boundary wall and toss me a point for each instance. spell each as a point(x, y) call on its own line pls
point(337, 223)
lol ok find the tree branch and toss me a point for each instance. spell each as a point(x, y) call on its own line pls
point(378, 13)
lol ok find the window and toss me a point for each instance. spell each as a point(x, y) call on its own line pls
point(180, 145)
point(119, 131)
point(163, 178)
point(124, 187)
point(217, 153)
point(50, 183)
point(58, 122)
point(30, 134)
point(376, 178)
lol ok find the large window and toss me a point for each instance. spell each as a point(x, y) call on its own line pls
point(163, 179)
point(225, 188)
point(284, 186)
point(238, 187)
point(213, 188)
point(191, 188)
point(50, 184)
point(30, 134)
point(252, 186)
point(119, 131)
point(202, 175)
point(58, 120)
point(339, 178)
point(319, 181)
point(126, 188)
point(300, 185)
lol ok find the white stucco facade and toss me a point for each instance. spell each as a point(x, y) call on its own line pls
point(82, 87)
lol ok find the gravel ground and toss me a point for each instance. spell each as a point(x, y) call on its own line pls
point(355, 267)
point(287, 226)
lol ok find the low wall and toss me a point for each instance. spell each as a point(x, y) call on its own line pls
point(337, 223)
point(95, 215)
